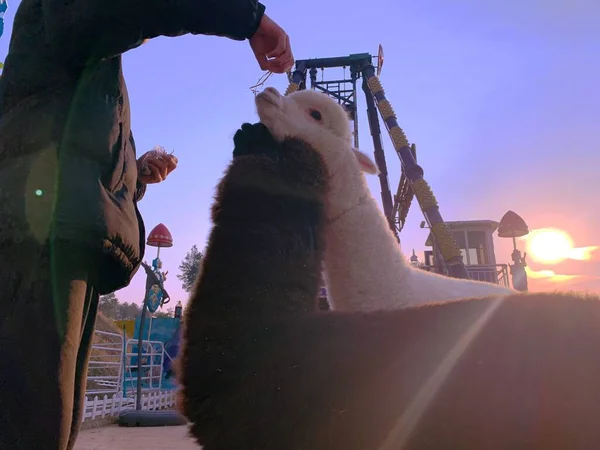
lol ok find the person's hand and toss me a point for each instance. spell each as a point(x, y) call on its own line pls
point(271, 47)
point(154, 167)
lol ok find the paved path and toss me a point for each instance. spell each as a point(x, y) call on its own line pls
point(114, 437)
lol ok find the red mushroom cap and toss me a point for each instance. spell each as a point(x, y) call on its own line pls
point(160, 236)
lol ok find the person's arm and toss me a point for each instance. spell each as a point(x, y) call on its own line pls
point(88, 30)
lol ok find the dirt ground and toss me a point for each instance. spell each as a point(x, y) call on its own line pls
point(114, 437)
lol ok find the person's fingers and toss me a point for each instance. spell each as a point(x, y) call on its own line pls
point(287, 66)
point(154, 177)
point(281, 47)
point(289, 48)
point(163, 170)
point(155, 169)
point(150, 179)
point(144, 170)
point(262, 60)
point(284, 61)
point(158, 170)
point(166, 161)
point(171, 163)
point(281, 65)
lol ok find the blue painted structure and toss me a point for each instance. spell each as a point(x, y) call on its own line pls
point(168, 331)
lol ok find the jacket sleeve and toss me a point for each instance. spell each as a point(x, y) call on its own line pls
point(140, 191)
point(87, 30)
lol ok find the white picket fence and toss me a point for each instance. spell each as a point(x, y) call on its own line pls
point(111, 406)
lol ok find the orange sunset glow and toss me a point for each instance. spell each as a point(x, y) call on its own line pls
point(551, 246)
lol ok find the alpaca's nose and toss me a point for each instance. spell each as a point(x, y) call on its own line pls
point(270, 96)
point(272, 91)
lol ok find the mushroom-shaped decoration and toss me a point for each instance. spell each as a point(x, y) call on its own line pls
point(160, 236)
point(512, 226)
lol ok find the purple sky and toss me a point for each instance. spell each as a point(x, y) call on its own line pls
point(502, 99)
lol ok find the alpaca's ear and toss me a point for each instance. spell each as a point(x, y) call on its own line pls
point(366, 164)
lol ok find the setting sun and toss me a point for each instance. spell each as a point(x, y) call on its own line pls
point(549, 246)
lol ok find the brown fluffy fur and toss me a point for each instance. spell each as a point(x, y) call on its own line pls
point(528, 380)
point(261, 266)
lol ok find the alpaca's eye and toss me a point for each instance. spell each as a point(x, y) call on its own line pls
point(316, 115)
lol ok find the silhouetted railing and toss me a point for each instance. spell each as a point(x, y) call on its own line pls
point(497, 274)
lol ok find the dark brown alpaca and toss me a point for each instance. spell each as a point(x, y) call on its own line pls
point(261, 267)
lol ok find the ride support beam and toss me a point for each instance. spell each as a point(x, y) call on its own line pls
point(423, 193)
point(386, 194)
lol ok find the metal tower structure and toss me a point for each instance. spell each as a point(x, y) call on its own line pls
point(411, 184)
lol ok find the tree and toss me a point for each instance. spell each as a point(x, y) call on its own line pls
point(169, 312)
point(109, 305)
point(128, 311)
point(189, 268)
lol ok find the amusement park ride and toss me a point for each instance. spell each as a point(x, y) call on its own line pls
point(345, 91)
point(473, 255)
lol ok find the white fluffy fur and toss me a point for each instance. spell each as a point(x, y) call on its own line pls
point(364, 266)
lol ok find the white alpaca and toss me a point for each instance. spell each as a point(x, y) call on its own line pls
point(364, 265)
